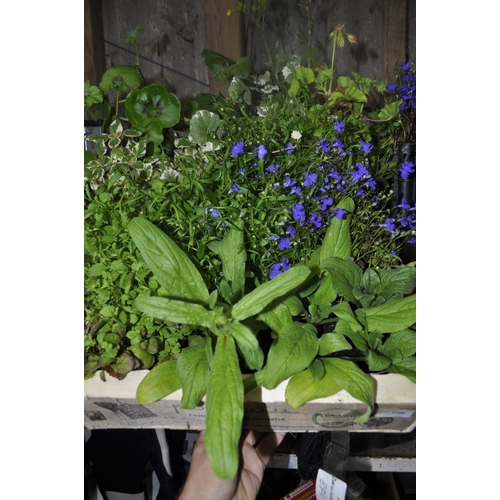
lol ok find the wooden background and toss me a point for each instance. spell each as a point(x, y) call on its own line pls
point(176, 32)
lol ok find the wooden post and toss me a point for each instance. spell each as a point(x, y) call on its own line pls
point(94, 59)
point(223, 35)
point(394, 36)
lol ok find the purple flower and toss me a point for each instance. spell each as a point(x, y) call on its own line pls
point(405, 205)
point(310, 179)
point(325, 203)
point(214, 212)
point(274, 237)
point(315, 219)
point(324, 145)
point(389, 224)
point(365, 146)
point(284, 244)
point(296, 190)
point(298, 212)
point(242, 171)
point(272, 168)
point(291, 231)
point(339, 126)
point(362, 171)
point(237, 148)
point(339, 213)
point(391, 87)
point(235, 188)
point(405, 66)
point(261, 151)
point(290, 148)
point(406, 169)
point(289, 182)
point(279, 268)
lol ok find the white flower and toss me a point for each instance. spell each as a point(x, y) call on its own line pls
point(296, 135)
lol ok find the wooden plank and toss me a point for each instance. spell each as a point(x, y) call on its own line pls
point(94, 60)
point(394, 35)
point(223, 35)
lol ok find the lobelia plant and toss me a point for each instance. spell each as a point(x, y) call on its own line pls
point(375, 311)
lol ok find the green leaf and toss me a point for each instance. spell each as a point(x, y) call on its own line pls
point(203, 127)
point(159, 382)
point(224, 403)
point(343, 311)
point(371, 281)
point(317, 369)
point(242, 68)
point(352, 379)
point(400, 344)
point(242, 334)
point(390, 316)
point(377, 361)
point(233, 257)
point(153, 105)
point(147, 360)
point(357, 336)
point(406, 367)
point(120, 78)
point(192, 371)
point(302, 388)
point(254, 358)
point(177, 311)
point(345, 276)
point(264, 294)
point(337, 240)
point(293, 350)
point(401, 280)
point(332, 342)
point(92, 94)
point(171, 266)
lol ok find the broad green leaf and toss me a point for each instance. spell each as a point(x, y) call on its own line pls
point(252, 381)
point(345, 275)
point(302, 388)
point(343, 311)
point(153, 105)
point(337, 240)
point(317, 369)
point(224, 403)
point(192, 371)
point(403, 343)
point(245, 337)
point(401, 280)
point(325, 292)
point(377, 361)
point(357, 337)
point(171, 266)
point(293, 350)
point(406, 367)
point(389, 111)
point(264, 294)
point(233, 257)
point(176, 311)
point(371, 281)
point(355, 94)
point(203, 127)
point(242, 68)
point(159, 382)
point(332, 342)
point(352, 379)
point(254, 358)
point(390, 316)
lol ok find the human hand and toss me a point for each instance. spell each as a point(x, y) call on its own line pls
point(202, 483)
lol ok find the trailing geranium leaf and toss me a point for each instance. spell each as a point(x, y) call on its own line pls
point(152, 105)
point(171, 266)
point(292, 352)
point(391, 316)
point(159, 382)
point(192, 371)
point(120, 78)
point(337, 240)
point(203, 127)
point(352, 379)
point(302, 388)
point(224, 403)
point(264, 294)
point(345, 275)
point(332, 342)
point(233, 257)
point(176, 311)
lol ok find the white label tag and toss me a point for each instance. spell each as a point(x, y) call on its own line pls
point(329, 487)
point(395, 413)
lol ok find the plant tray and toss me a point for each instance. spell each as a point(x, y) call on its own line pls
point(111, 404)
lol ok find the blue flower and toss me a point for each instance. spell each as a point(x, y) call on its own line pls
point(315, 219)
point(405, 205)
point(310, 179)
point(391, 87)
point(274, 237)
point(272, 168)
point(214, 212)
point(339, 126)
point(324, 145)
point(284, 244)
point(235, 188)
point(405, 66)
point(289, 182)
point(237, 148)
point(291, 231)
point(337, 143)
point(389, 224)
point(290, 148)
point(279, 268)
point(261, 151)
point(361, 172)
point(298, 212)
point(339, 213)
point(325, 203)
point(365, 146)
point(296, 190)
point(242, 171)
point(406, 169)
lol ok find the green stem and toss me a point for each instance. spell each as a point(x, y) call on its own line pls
point(334, 46)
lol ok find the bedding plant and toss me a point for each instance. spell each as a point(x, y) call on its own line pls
point(248, 235)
